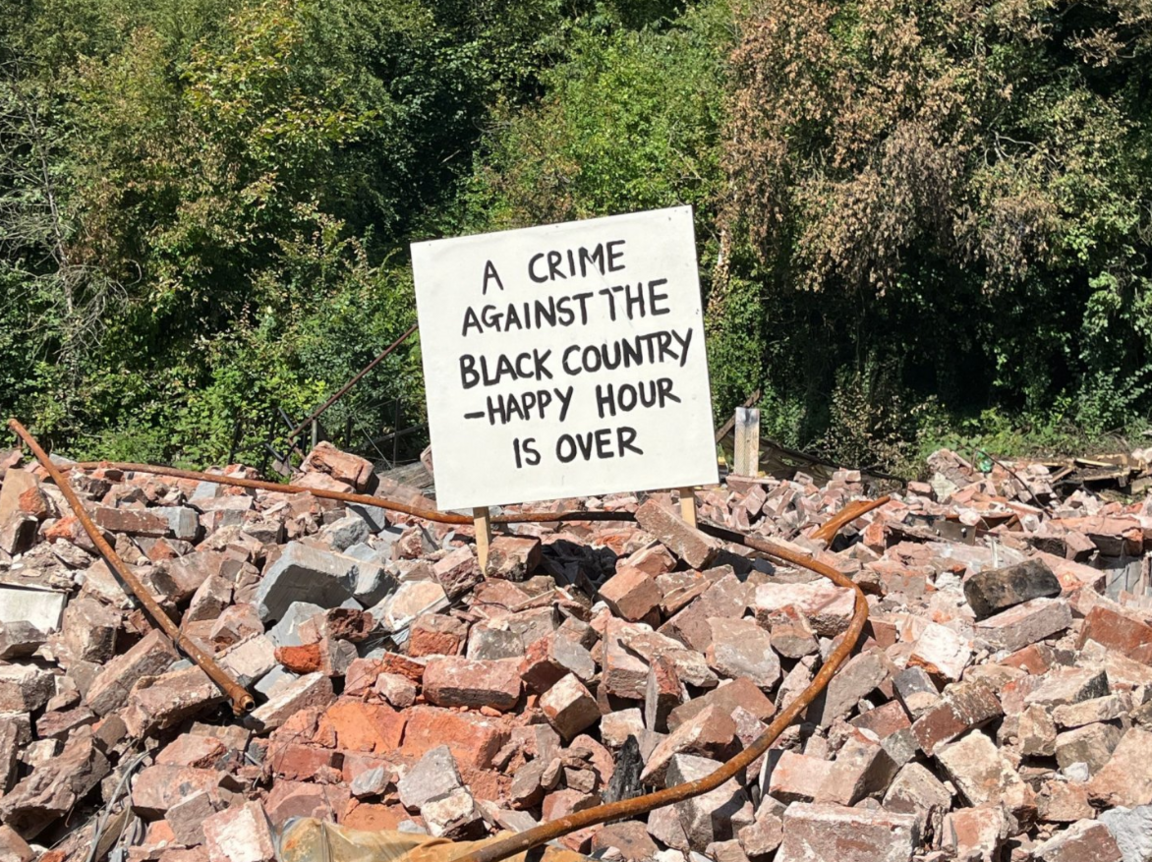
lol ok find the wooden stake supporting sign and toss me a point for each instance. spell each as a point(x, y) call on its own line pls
point(483, 525)
point(688, 506)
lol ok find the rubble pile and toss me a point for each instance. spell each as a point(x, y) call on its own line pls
point(998, 706)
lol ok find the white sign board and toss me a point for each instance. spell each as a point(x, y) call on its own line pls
point(565, 360)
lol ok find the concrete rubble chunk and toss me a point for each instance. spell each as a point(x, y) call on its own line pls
point(455, 816)
point(19, 639)
point(239, 834)
point(305, 574)
point(992, 591)
point(1131, 828)
point(432, 777)
point(24, 687)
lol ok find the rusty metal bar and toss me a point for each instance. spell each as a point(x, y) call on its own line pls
point(242, 701)
point(343, 497)
point(343, 390)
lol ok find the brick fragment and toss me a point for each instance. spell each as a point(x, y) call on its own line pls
point(709, 733)
point(341, 466)
point(24, 687)
point(457, 681)
point(834, 833)
point(1119, 632)
point(828, 607)
point(977, 833)
point(1026, 624)
point(1086, 841)
point(741, 648)
point(982, 773)
point(693, 547)
point(161, 702)
point(54, 787)
point(1126, 779)
point(964, 706)
point(436, 634)
point(631, 594)
point(941, 652)
point(569, 707)
point(352, 725)
point(135, 522)
point(151, 656)
point(513, 558)
point(739, 692)
point(458, 572)
point(313, 690)
point(717, 815)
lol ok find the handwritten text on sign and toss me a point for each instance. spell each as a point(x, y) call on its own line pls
point(565, 360)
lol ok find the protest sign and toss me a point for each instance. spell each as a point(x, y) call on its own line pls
point(565, 360)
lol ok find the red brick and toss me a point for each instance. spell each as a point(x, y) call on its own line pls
point(1118, 632)
point(457, 681)
point(356, 726)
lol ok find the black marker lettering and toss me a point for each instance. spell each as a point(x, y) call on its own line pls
point(613, 254)
point(489, 274)
point(468, 375)
point(532, 271)
point(654, 297)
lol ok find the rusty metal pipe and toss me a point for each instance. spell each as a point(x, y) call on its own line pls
point(242, 701)
point(343, 497)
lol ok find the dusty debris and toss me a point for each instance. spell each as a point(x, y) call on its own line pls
point(997, 704)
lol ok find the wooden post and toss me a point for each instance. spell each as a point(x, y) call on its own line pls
point(483, 536)
point(688, 506)
point(746, 457)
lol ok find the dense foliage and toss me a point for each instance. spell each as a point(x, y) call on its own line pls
point(913, 218)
